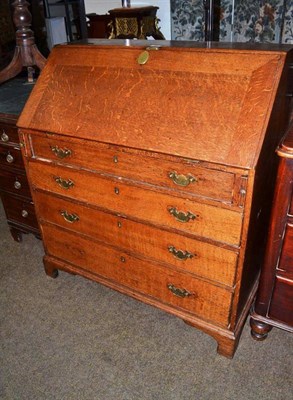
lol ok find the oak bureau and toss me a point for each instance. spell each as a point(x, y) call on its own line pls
point(152, 170)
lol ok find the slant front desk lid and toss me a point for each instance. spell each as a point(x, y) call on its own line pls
point(210, 104)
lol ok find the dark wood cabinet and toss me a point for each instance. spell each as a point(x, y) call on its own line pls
point(14, 189)
point(152, 171)
point(274, 301)
point(125, 23)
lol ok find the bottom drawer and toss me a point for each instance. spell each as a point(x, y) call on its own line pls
point(281, 307)
point(19, 210)
point(211, 303)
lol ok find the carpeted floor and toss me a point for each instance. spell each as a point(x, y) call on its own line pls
point(73, 339)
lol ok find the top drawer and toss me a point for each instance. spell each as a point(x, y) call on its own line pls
point(8, 133)
point(169, 172)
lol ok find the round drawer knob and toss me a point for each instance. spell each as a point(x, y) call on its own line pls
point(9, 158)
point(17, 185)
point(4, 137)
point(24, 213)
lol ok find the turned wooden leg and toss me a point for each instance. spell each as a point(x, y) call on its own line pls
point(259, 330)
point(13, 69)
point(26, 52)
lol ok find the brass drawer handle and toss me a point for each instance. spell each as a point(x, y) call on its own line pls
point(179, 292)
point(17, 185)
point(61, 153)
point(71, 218)
point(180, 254)
point(181, 216)
point(63, 183)
point(9, 158)
point(182, 180)
point(4, 137)
point(24, 213)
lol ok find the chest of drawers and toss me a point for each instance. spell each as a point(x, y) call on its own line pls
point(152, 170)
point(14, 189)
point(274, 301)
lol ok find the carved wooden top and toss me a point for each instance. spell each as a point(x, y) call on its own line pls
point(199, 103)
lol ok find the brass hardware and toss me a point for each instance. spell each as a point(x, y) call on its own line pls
point(116, 190)
point(180, 254)
point(122, 259)
point(182, 180)
point(178, 292)
point(143, 57)
point(153, 47)
point(9, 158)
point(71, 218)
point(61, 153)
point(181, 216)
point(115, 159)
point(17, 185)
point(21, 144)
point(24, 214)
point(63, 183)
point(4, 137)
point(119, 223)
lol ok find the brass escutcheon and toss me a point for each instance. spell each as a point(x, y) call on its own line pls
point(71, 218)
point(180, 254)
point(182, 180)
point(61, 153)
point(182, 216)
point(143, 57)
point(64, 183)
point(179, 292)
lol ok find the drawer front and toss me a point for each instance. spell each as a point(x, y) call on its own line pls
point(196, 257)
point(11, 156)
point(181, 214)
point(19, 210)
point(285, 267)
point(14, 182)
point(8, 133)
point(281, 307)
point(184, 176)
point(205, 300)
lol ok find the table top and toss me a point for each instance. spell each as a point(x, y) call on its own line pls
point(13, 95)
point(133, 10)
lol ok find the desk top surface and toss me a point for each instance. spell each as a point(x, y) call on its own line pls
point(211, 105)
